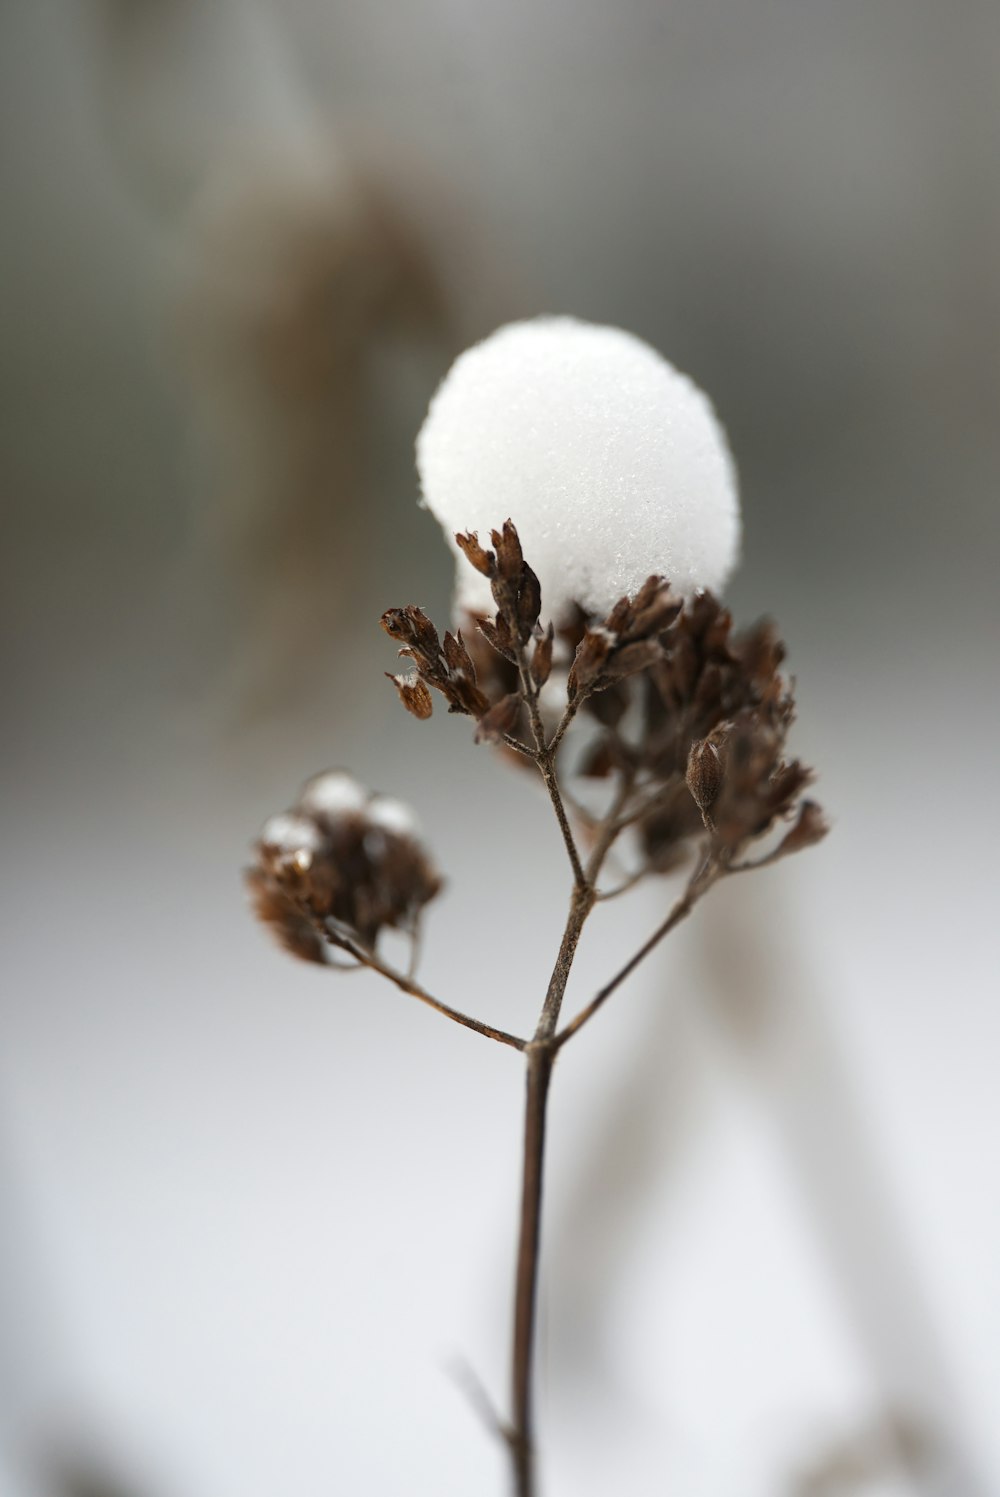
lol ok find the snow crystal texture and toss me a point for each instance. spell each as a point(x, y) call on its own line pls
point(611, 464)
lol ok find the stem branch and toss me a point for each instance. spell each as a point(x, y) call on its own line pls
point(407, 985)
point(702, 881)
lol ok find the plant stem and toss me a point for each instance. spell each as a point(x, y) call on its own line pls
point(539, 1075)
point(545, 759)
point(700, 883)
point(540, 1055)
point(368, 958)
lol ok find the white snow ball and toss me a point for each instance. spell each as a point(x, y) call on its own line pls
point(333, 793)
point(611, 463)
point(288, 837)
point(392, 816)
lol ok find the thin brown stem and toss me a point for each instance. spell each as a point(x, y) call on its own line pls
point(568, 715)
point(628, 882)
point(702, 881)
point(546, 765)
point(555, 795)
point(540, 1055)
point(611, 827)
point(407, 985)
point(517, 745)
point(522, 1443)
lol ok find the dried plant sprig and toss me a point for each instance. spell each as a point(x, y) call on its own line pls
point(686, 720)
point(339, 867)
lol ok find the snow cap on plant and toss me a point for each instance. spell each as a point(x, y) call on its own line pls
point(612, 464)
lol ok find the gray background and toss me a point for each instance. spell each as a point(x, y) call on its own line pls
point(254, 1216)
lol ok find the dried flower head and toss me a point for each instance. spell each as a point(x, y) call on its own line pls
point(342, 864)
point(689, 716)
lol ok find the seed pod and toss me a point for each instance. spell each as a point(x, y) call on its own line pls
point(704, 774)
point(413, 694)
point(541, 660)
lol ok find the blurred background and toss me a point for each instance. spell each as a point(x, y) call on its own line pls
point(258, 1219)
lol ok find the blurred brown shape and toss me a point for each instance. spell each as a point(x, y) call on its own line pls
point(890, 1446)
point(297, 277)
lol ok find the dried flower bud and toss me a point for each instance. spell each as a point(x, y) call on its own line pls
point(448, 667)
point(589, 661)
point(413, 694)
point(529, 602)
point(704, 774)
point(341, 860)
point(484, 561)
point(696, 715)
point(414, 628)
point(286, 922)
point(810, 828)
point(636, 656)
point(541, 660)
point(498, 635)
point(510, 558)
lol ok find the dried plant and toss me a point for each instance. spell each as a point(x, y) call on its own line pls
point(682, 719)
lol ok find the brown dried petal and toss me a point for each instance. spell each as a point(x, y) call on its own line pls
point(650, 590)
point(290, 928)
point(657, 614)
point(484, 561)
point(500, 719)
point(395, 623)
point(619, 616)
point(510, 558)
point(413, 694)
point(424, 633)
point(456, 656)
point(529, 602)
point(497, 633)
point(414, 628)
point(541, 660)
point(464, 696)
point(810, 828)
point(637, 656)
point(590, 658)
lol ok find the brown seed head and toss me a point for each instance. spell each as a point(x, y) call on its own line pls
point(704, 773)
point(341, 860)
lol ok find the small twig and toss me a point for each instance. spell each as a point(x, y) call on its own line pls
point(610, 828)
point(774, 856)
point(371, 959)
point(518, 746)
point(603, 895)
point(701, 882)
point(552, 786)
point(643, 808)
point(568, 715)
point(543, 758)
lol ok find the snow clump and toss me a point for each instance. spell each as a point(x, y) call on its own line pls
point(611, 463)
